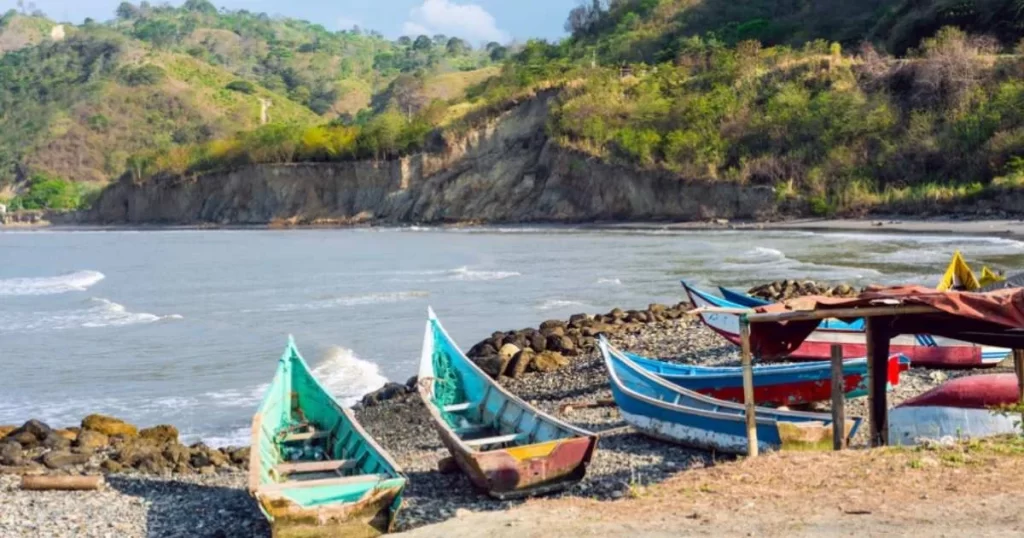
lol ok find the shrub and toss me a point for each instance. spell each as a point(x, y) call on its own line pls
point(144, 75)
point(242, 86)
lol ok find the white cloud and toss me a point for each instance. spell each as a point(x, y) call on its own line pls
point(468, 21)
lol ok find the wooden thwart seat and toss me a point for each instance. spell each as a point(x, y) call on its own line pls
point(494, 440)
point(471, 430)
point(458, 408)
point(314, 466)
point(302, 484)
point(305, 436)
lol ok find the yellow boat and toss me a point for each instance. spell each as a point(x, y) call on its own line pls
point(959, 276)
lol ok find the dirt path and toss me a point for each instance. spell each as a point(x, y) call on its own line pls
point(972, 490)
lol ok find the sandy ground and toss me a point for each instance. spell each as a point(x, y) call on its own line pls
point(971, 490)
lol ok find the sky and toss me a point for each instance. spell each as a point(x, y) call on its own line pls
point(474, 20)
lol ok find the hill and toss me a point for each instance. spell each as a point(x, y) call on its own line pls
point(81, 104)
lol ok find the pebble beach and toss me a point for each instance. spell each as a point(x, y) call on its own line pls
point(216, 503)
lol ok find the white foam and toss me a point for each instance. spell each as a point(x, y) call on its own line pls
point(346, 376)
point(554, 304)
point(351, 300)
point(466, 274)
point(609, 281)
point(100, 313)
point(50, 285)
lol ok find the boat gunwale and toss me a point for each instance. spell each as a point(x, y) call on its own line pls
point(426, 358)
point(608, 352)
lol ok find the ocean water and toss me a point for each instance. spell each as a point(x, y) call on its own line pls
point(186, 326)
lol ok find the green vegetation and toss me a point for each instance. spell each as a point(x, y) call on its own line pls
point(45, 192)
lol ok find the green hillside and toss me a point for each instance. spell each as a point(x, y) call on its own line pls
point(84, 103)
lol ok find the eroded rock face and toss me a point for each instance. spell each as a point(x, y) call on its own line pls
point(505, 170)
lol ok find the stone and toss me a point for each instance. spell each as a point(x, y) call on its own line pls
point(617, 313)
point(447, 465)
point(561, 344)
point(557, 331)
point(240, 456)
point(508, 351)
point(177, 454)
point(482, 349)
point(56, 442)
point(551, 324)
point(520, 363)
point(4, 430)
point(27, 440)
point(59, 459)
point(412, 384)
point(388, 391)
point(112, 466)
point(108, 425)
point(91, 440)
point(203, 456)
point(208, 469)
point(577, 320)
point(549, 361)
point(10, 454)
point(163, 433)
point(601, 328)
point(30, 434)
point(133, 453)
point(538, 342)
point(494, 365)
point(657, 308)
point(71, 434)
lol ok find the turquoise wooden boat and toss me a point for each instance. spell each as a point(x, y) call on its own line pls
point(314, 471)
point(505, 446)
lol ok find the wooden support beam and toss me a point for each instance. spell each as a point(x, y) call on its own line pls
point(838, 399)
point(497, 440)
point(314, 466)
point(878, 336)
point(748, 387)
point(1018, 368)
point(65, 483)
point(859, 312)
point(305, 436)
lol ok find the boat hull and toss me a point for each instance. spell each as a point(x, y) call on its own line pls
point(367, 518)
point(961, 408)
point(923, 351)
point(787, 385)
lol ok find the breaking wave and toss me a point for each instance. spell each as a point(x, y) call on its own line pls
point(352, 300)
point(50, 285)
point(102, 313)
point(609, 281)
point(464, 273)
point(555, 304)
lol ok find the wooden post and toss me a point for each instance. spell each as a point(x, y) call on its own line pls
point(838, 399)
point(878, 365)
point(67, 483)
point(748, 387)
point(1018, 368)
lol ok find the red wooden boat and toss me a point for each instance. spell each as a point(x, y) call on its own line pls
point(967, 407)
point(922, 350)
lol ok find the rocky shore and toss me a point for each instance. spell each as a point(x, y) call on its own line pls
point(158, 487)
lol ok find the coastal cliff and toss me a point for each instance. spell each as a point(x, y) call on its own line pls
point(507, 170)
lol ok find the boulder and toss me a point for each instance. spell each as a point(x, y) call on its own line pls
point(163, 433)
point(31, 434)
point(4, 430)
point(557, 331)
point(90, 440)
point(208, 469)
point(508, 351)
point(176, 454)
point(482, 349)
point(561, 344)
point(601, 328)
point(538, 342)
point(552, 324)
point(204, 456)
point(412, 384)
point(58, 459)
point(71, 434)
point(493, 365)
point(10, 454)
point(578, 320)
point(109, 426)
point(56, 442)
point(520, 363)
point(112, 466)
point(617, 313)
point(240, 456)
point(549, 361)
point(388, 391)
point(657, 308)
point(133, 453)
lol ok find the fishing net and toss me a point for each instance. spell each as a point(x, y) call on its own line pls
point(448, 389)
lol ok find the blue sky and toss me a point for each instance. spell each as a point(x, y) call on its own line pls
point(475, 20)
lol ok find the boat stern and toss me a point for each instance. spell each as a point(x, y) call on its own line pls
point(372, 515)
point(532, 469)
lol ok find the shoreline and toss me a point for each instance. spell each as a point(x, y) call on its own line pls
point(881, 226)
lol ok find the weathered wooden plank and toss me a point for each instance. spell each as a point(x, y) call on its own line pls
point(305, 436)
point(878, 364)
point(314, 466)
point(493, 440)
point(838, 399)
point(340, 481)
point(856, 312)
point(457, 408)
point(748, 387)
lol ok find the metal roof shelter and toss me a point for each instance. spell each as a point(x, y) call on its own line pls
point(994, 318)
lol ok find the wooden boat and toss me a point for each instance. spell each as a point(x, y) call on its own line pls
point(742, 300)
point(774, 385)
point(922, 350)
point(962, 408)
point(506, 447)
point(669, 412)
point(314, 471)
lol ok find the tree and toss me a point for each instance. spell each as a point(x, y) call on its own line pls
point(423, 43)
point(456, 47)
point(499, 54)
point(440, 40)
point(127, 11)
point(200, 6)
point(491, 46)
point(405, 41)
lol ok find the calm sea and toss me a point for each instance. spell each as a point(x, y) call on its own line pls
point(186, 326)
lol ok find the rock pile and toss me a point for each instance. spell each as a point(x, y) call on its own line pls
point(108, 444)
point(788, 289)
point(551, 346)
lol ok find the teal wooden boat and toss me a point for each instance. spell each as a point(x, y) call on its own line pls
point(314, 471)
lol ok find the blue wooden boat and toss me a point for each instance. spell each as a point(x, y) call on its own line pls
point(776, 384)
point(313, 470)
point(669, 412)
point(741, 298)
point(505, 446)
point(738, 299)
